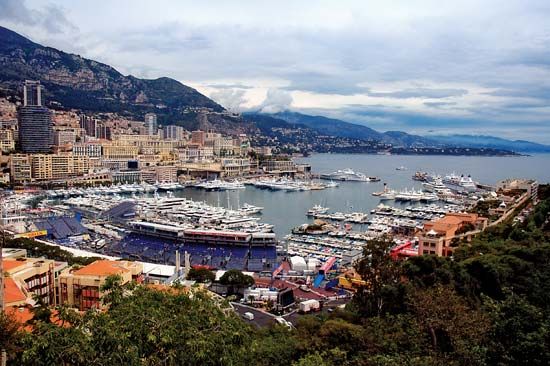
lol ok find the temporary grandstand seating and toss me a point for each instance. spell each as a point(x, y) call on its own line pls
point(222, 257)
point(61, 227)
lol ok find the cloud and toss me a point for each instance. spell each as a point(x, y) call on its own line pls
point(229, 86)
point(324, 83)
point(50, 18)
point(421, 93)
point(439, 104)
point(231, 99)
point(276, 100)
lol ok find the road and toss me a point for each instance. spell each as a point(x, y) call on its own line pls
point(261, 318)
point(264, 319)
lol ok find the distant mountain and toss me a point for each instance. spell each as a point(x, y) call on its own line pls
point(492, 142)
point(331, 126)
point(265, 122)
point(336, 127)
point(74, 82)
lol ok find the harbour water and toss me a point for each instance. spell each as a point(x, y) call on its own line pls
point(288, 209)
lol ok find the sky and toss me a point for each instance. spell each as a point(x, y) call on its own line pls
point(424, 67)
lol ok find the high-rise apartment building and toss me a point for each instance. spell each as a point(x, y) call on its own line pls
point(35, 121)
point(198, 137)
point(64, 137)
point(32, 93)
point(173, 132)
point(151, 125)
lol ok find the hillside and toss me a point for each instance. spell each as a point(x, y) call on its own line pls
point(491, 141)
point(331, 126)
point(72, 81)
point(336, 127)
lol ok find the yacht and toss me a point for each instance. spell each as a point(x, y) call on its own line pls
point(388, 195)
point(316, 210)
point(250, 209)
point(436, 186)
point(347, 175)
point(460, 183)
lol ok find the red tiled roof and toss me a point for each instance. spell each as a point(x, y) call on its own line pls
point(12, 293)
point(10, 264)
point(101, 268)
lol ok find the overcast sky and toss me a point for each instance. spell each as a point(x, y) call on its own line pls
point(463, 66)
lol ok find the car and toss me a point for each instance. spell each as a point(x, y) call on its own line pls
point(283, 321)
point(248, 316)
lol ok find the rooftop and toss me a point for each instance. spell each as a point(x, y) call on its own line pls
point(12, 293)
point(10, 264)
point(102, 268)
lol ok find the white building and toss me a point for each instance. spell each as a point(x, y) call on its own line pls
point(88, 149)
point(151, 125)
point(173, 132)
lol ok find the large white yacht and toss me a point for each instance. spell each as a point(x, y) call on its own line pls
point(347, 175)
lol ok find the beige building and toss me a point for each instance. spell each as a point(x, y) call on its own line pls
point(7, 141)
point(90, 149)
point(144, 147)
point(438, 236)
point(20, 168)
point(81, 288)
point(235, 167)
point(275, 166)
point(162, 174)
point(58, 166)
point(32, 277)
point(116, 151)
point(195, 153)
point(64, 137)
point(529, 185)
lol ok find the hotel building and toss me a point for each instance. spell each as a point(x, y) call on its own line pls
point(81, 288)
point(439, 237)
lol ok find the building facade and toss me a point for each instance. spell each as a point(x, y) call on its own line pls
point(439, 237)
point(235, 167)
point(58, 166)
point(33, 276)
point(81, 288)
point(35, 121)
point(151, 125)
point(173, 132)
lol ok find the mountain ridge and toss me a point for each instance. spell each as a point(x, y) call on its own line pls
point(72, 81)
point(400, 138)
point(492, 141)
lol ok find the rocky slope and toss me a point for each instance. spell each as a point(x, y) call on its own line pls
point(72, 81)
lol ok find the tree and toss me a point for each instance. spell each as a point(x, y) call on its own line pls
point(236, 280)
point(383, 291)
point(530, 343)
point(202, 275)
point(455, 330)
point(9, 333)
point(112, 289)
point(41, 311)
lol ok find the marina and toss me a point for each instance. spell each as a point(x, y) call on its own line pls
point(252, 222)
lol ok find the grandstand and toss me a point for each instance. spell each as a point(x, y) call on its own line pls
point(60, 227)
point(160, 250)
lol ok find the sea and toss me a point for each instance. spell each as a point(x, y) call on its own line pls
point(286, 210)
